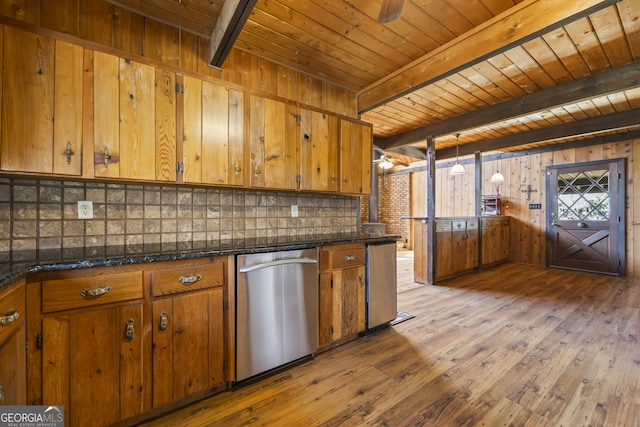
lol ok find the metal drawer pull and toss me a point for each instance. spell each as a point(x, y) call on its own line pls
point(190, 279)
point(95, 292)
point(350, 258)
point(5, 320)
point(164, 322)
point(129, 331)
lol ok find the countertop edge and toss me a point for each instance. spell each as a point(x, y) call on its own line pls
point(26, 269)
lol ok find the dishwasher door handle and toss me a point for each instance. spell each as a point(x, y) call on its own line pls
point(275, 263)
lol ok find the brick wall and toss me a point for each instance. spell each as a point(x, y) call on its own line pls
point(394, 198)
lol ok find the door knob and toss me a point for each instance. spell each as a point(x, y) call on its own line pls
point(581, 224)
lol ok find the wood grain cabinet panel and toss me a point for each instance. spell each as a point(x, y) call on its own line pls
point(93, 363)
point(42, 80)
point(342, 293)
point(356, 145)
point(273, 141)
point(213, 133)
point(13, 378)
point(188, 330)
point(495, 240)
point(134, 120)
point(318, 151)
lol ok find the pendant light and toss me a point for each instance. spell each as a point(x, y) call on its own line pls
point(497, 178)
point(457, 169)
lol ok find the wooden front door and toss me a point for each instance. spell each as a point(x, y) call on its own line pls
point(585, 216)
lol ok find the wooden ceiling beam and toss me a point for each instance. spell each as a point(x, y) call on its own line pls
point(601, 84)
point(523, 22)
point(608, 122)
point(233, 16)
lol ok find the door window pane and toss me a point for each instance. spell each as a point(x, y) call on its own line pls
point(583, 196)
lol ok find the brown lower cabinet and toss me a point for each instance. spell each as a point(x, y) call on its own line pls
point(342, 293)
point(113, 343)
point(13, 381)
point(188, 332)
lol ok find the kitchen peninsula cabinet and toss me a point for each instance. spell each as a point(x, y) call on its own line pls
point(134, 112)
point(342, 293)
point(89, 339)
point(495, 240)
point(213, 133)
point(273, 140)
point(457, 245)
point(188, 330)
point(13, 375)
point(42, 79)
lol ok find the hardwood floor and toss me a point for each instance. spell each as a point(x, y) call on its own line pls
point(514, 345)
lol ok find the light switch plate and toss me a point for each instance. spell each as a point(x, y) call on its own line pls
point(294, 211)
point(85, 209)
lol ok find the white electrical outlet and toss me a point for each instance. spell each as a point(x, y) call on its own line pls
point(294, 211)
point(85, 209)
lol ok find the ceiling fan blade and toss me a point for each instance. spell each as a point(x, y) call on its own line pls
point(390, 10)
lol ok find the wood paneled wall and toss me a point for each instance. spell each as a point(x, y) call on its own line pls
point(117, 28)
point(455, 196)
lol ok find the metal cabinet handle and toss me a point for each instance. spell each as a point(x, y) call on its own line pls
point(107, 156)
point(6, 320)
point(350, 258)
point(164, 322)
point(190, 279)
point(129, 331)
point(95, 292)
point(1, 394)
point(69, 152)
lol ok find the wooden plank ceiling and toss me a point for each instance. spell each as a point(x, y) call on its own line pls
point(505, 74)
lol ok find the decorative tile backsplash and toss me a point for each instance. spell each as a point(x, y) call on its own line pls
point(42, 214)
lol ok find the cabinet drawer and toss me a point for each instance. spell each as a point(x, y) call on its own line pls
point(78, 292)
point(12, 312)
point(182, 279)
point(347, 257)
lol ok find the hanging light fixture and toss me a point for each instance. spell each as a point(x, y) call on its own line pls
point(497, 178)
point(457, 169)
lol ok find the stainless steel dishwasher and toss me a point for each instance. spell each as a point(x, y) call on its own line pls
point(276, 309)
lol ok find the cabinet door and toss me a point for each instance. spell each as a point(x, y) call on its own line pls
point(355, 157)
point(318, 151)
point(188, 344)
point(349, 283)
point(213, 142)
point(130, 104)
point(13, 358)
point(273, 144)
point(94, 364)
point(27, 102)
point(13, 375)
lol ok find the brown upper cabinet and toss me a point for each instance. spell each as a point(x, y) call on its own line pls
point(41, 80)
point(273, 141)
point(318, 151)
point(213, 133)
point(355, 157)
point(134, 120)
point(71, 110)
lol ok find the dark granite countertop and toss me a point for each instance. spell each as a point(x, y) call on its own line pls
point(18, 264)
